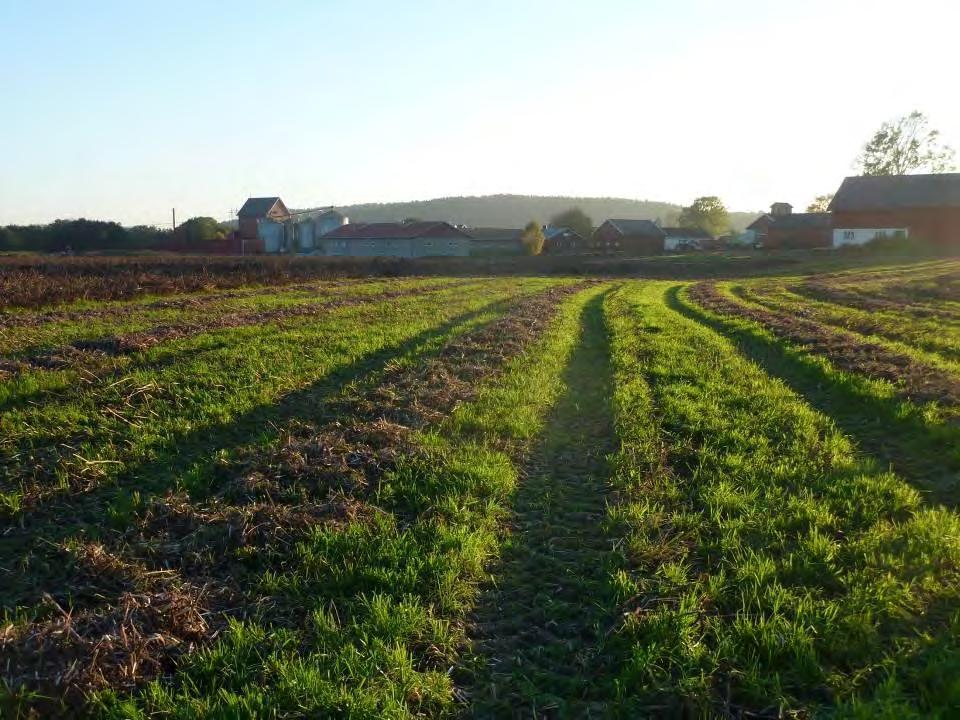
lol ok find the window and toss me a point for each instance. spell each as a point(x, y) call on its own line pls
point(849, 235)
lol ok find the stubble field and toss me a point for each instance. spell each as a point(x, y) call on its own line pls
point(487, 497)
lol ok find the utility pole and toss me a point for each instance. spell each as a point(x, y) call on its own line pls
point(174, 219)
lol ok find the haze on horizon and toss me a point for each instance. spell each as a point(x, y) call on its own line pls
point(120, 111)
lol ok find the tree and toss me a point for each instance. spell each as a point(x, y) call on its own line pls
point(574, 219)
point(904, 146)
point(199, 231)
point(821, 203)
point(532, 238)
point(708, 214)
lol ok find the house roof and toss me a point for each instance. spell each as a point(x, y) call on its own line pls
point(637, 227)
point(495, 234)
point(258, 207)
point(394, 231)
point(315, 213)
point(765, 217)
point(555, 232)
point(888, 192)
point(796, 221)
point(686, 232)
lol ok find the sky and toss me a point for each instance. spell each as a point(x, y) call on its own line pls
point(124, 110)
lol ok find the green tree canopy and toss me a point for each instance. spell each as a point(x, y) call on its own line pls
point(532, 238)
point(575, 219)
point(708, 214)
point(200, 230)
point(903, 146)
point(821, 203)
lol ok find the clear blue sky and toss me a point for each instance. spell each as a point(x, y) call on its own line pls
point(122, 110)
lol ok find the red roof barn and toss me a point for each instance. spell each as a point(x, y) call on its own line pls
point(927, 207)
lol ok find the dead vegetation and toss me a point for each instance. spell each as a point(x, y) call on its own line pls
point(169, 582)
point(913, 379)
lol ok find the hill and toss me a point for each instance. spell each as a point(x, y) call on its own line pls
point(518, 210)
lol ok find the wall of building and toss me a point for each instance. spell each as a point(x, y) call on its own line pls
point(397, 247)
point(862, 236)
point(272, 236)
point(937, 225)
point(795, 238)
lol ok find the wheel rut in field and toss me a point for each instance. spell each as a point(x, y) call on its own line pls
point(537, 628)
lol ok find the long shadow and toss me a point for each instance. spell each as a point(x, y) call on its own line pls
point(538, 629)
point(41, 529)
point(890, 429)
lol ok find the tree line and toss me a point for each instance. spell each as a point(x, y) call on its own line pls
point(197, 234)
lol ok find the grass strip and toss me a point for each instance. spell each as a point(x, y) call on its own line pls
point(776, 572)
point(381, 605)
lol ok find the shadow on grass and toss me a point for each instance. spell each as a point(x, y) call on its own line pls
point(889, 429)
point(538, 628)
point(30, 561)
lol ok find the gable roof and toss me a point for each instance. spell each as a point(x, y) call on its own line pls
point(686, 232)
point(551, 233)
point(795, 221)
point(495, 234)
point(637, 227)
point(258, 207)
point(395, 231)
point(888, 192)
point(766, 217)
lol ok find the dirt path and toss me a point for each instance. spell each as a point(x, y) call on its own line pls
point(537, 629)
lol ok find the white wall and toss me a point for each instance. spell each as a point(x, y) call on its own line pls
point(861, 236)
point(674, 244)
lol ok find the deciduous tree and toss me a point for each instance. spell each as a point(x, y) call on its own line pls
point(821, 203)
point(903, 146)
point(575, 219)
point(532, 238)
point(708, 214)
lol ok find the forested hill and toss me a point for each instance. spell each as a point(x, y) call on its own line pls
point(518, 210)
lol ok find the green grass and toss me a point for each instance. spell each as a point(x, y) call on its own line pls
point(775, 569)
point(642, 509)
point(383, 603)
point(935, 341)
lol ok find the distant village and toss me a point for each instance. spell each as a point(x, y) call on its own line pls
point(864, 209)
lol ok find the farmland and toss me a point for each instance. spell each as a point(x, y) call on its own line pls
point(277, 492)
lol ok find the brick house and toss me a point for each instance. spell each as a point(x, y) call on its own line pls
point(633, 237)
point(924, 207)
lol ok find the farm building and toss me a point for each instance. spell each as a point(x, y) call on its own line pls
point(682, 239)
point(799, 230)
point(310, 225)
point(633, 237)
point(783, 228)
point(926, 207)
point(562, 241)
point(410, 240)
point(262, 226)
point(756, 232)
point(495, 241)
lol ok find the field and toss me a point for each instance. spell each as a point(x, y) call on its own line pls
point(451, 495)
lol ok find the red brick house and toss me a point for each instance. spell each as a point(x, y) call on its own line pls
point(924, 207)
point(633, 237)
